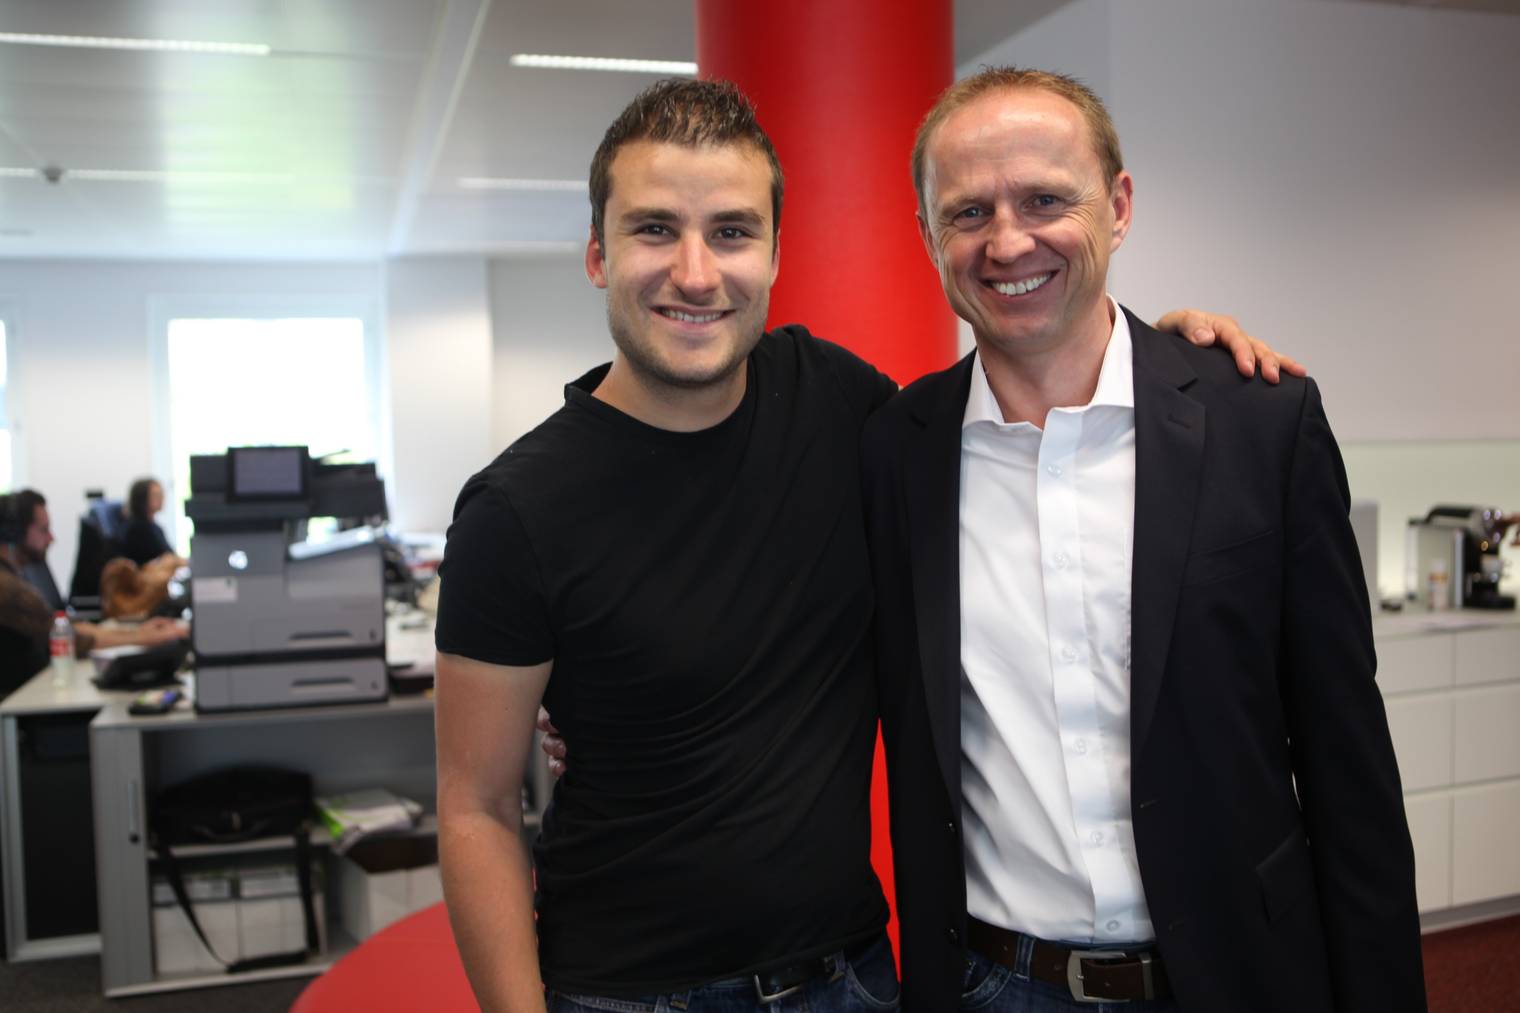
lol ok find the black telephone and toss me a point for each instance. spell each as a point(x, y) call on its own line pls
point(152, 666)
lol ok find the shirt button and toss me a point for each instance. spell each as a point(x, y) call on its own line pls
point(1113, 925)
point(1054, 469)
point(1068, 654)
point(1081, 746)
point(950, 827)
point(955, 936)
point(1061, 560)
point(1096, 837)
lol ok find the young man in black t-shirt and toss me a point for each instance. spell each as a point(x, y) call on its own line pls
point(682, 546)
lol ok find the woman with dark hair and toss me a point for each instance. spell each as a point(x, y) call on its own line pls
point(143, 541)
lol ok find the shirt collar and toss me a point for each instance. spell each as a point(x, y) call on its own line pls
point(1116, 378)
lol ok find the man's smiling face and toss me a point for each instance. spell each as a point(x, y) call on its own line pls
point(1019, 219)
point(688, 259)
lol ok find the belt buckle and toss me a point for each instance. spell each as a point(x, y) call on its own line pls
point(1074, 973)
point(767, 998)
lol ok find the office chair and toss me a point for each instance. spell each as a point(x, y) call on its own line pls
point(100, 529)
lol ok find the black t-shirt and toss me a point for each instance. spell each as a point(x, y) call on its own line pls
point(705, 598)
point(143, 541)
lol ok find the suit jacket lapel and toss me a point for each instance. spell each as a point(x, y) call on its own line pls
point(1169, 435)
point(932, 475)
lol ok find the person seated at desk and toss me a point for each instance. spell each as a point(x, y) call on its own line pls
point(142, 540)
point(26, 619)
point(31, 548)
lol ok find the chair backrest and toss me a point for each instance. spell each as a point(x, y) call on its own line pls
point(96, 549)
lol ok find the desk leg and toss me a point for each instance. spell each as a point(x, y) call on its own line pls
point(14, 883)
point(121, 857)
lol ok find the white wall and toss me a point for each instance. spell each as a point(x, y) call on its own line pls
point(438, 338)
point(1340, 176)
point(550, 327)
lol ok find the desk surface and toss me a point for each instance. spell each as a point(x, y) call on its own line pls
point(408, 640)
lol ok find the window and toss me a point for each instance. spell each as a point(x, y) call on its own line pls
point(251, 381)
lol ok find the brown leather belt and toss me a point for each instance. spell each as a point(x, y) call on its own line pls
point(1091, 975)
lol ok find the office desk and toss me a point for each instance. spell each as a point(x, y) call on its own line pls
point(37, 924)
point(343, 746)
point(31, 873)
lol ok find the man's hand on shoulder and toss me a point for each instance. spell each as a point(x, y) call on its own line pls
point(1204, 329)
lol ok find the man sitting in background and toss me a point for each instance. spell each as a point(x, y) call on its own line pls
point(26, 617)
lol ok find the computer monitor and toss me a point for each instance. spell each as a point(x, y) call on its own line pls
point(267, 473)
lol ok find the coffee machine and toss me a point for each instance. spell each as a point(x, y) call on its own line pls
point(1474, 535)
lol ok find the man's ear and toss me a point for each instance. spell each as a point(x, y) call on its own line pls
point(775, 256)
point(927, 237)
point(596, 260)
point(1122, 196)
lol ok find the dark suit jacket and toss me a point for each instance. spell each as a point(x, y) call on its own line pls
point(1252, 670)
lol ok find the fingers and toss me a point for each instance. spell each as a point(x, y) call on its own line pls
point(554, 749)
point(544, 724)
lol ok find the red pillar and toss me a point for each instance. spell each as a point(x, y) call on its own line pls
point(840, 86)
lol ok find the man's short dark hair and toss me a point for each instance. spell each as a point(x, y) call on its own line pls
point(17, 512)
point(137, 497)
point(690, 113)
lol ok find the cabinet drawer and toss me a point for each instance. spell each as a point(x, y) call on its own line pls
point(1487, 745)
point(1407, 664)
point(1488, 656)
point(1421, 728)
point(1430, 830)
point(1485, 826)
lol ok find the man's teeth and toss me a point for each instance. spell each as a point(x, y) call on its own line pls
point(1020, 287)
point(691, 318)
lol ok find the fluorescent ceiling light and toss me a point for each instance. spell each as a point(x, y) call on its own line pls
point(157, 45)
point(149, 176)
point(496, 183)
point(603, 63)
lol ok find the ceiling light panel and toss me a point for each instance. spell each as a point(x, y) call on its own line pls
point(150, 45)
point(549, 62)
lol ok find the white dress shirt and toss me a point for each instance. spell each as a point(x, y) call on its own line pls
point(1046, 538)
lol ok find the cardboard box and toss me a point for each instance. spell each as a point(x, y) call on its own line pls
point(384, 879)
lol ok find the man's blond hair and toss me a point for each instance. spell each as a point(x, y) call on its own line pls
point(990, 79)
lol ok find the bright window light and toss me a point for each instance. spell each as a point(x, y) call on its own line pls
point(235, 383)
point(153, 45)
point(548, 62)
point(5, 426)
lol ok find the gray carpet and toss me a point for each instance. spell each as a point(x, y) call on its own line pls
point(72, 985)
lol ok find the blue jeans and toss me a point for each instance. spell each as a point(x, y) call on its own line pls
point(993, 988)
point(866, 985)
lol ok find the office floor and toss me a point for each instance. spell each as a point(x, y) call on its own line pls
point(1474, 968)
point(73, 986)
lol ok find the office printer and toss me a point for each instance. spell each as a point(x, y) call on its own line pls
point(278, 621)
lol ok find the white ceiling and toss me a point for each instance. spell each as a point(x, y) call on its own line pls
point(349, 139)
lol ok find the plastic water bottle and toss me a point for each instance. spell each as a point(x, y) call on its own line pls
point(61, 647)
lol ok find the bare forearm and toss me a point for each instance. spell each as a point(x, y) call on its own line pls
point(488, 887)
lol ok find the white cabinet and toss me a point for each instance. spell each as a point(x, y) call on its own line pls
point(1451, 686)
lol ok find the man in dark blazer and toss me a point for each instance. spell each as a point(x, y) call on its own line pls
point(1163, 737)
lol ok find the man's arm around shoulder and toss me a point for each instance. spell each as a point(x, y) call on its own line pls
point(484, 717)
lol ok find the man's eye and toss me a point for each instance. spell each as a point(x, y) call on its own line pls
point(1046, 200)
point(653, 229)
point(970, 213)
point(732, 232)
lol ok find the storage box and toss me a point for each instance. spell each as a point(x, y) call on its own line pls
point(249, 911)
point(383, 879)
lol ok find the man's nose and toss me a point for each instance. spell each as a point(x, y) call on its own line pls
point(1008, 239)
point(696, 270)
